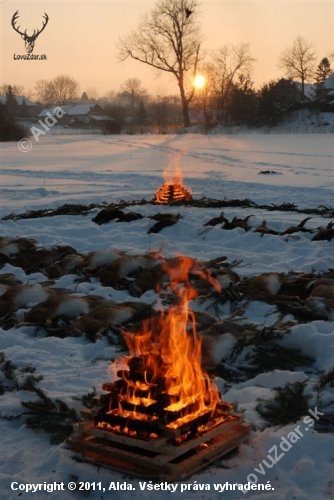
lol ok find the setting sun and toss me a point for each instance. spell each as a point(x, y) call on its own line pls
point(199, 82)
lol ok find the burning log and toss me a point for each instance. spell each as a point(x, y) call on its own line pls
point(173, 190)
point(172, 193)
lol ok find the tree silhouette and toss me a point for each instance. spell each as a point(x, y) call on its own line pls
point(64, 89)
point(61, 90)
point(275, 99)
point(298, 61)
point(11, 104)
point(168, 39)
point(323, 71)
point(133, 93)
point(227, 67)
point(10, 129)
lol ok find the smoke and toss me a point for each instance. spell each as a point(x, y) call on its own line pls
point(173, 173)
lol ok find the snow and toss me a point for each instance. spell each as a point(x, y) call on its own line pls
point(96, 169)
point(329, 82)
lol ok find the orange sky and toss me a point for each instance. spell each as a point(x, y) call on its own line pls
point(81, 38)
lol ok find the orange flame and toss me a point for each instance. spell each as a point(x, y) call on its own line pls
point(173, 175)
point(167, 351)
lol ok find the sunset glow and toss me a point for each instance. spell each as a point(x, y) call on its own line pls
point(199, 82)
point(268, 27)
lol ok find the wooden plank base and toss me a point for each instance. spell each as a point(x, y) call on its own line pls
point(162, 460)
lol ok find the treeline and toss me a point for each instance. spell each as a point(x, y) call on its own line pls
point(135, 111)
point(227, 97)
point(272, 104)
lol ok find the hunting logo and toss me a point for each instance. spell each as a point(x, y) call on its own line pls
point(29, 41)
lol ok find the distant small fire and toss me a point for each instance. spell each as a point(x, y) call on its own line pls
point(173, 190)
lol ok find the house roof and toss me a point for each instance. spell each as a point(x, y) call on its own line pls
point(101, 118)
point(82, 109)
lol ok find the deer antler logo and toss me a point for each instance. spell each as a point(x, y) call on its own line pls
point(29, 40)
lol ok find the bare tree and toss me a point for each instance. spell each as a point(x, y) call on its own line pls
point(168, 39)
point(92, 94)
point(61, 90)
point(229, 65)
point(64, 89)
point(133, 92)
point(43, 92)
point(110, 96)
point(298, 61)
point(17, 89)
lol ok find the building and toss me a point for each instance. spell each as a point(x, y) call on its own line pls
point(83, 115)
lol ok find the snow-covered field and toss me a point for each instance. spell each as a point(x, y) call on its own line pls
point(268, 169)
